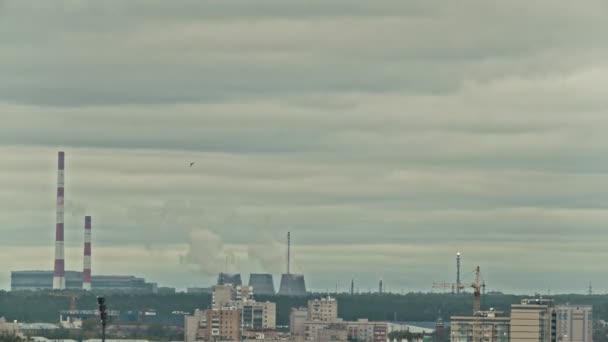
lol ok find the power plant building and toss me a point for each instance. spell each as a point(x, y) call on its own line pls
point(227, 278)
point(43, 280)
point(262, 284)
point(291, 284)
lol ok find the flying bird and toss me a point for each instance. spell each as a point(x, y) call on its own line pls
point(192, 163)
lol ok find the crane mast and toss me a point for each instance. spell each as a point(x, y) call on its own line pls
point(477, 332)
point(476, 293)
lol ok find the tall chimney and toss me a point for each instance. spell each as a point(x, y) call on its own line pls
point(59, 271)
point(288, 251)
point(458, 272)
point(86, 273)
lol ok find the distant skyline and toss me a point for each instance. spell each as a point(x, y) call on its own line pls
point(385, 135)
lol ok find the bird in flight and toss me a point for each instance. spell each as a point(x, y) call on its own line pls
point(191, 163)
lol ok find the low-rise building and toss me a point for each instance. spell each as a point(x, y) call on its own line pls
point(333, 332)
point(364, 330)
point(8, 328)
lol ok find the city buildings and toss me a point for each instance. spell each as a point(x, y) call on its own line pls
point(230, 302)
point(222, 295)
point(322, 322)
point(487, 326)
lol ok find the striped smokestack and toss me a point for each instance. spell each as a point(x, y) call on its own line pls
point(59, 271)
point(86, 273)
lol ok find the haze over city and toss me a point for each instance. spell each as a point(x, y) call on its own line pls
point(386, 138)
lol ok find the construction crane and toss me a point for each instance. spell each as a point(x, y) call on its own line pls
point(73, 296)
point(477, 333)
point(476, 293)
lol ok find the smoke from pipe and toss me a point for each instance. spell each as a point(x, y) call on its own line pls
point(207, 251)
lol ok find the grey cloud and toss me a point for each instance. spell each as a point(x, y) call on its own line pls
point(387, 135)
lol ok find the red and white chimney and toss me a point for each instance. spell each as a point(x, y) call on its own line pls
point(86, 274)
point(59, 270)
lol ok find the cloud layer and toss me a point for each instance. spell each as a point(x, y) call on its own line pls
point(385, 136)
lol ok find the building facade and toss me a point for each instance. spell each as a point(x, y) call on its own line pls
point(534, 320)
point(297, 321)
point(490, 328)
point(574, 323)
point(222, 295)
point(333, 332)
point(360, 330)
point(220, 325)
point(323, 310)
point(259, 316)
point(364, 330)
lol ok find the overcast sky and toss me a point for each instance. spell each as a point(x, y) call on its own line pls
point(385, 135)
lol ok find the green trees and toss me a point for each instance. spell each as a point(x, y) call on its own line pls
point(39, 307)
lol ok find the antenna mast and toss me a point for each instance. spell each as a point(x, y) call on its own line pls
point(288, 250)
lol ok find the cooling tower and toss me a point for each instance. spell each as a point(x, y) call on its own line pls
point(292, 285)
point(227, 278)
point(262, 283)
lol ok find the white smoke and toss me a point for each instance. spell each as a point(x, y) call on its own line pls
point(206, 250)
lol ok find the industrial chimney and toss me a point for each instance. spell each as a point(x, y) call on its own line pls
point(86, 273)
point(59, 270)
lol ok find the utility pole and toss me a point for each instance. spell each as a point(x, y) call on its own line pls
point(103, 315)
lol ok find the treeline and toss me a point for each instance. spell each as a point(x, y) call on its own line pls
point(40, 307)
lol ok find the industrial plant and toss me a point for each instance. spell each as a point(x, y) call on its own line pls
point(59, 278)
